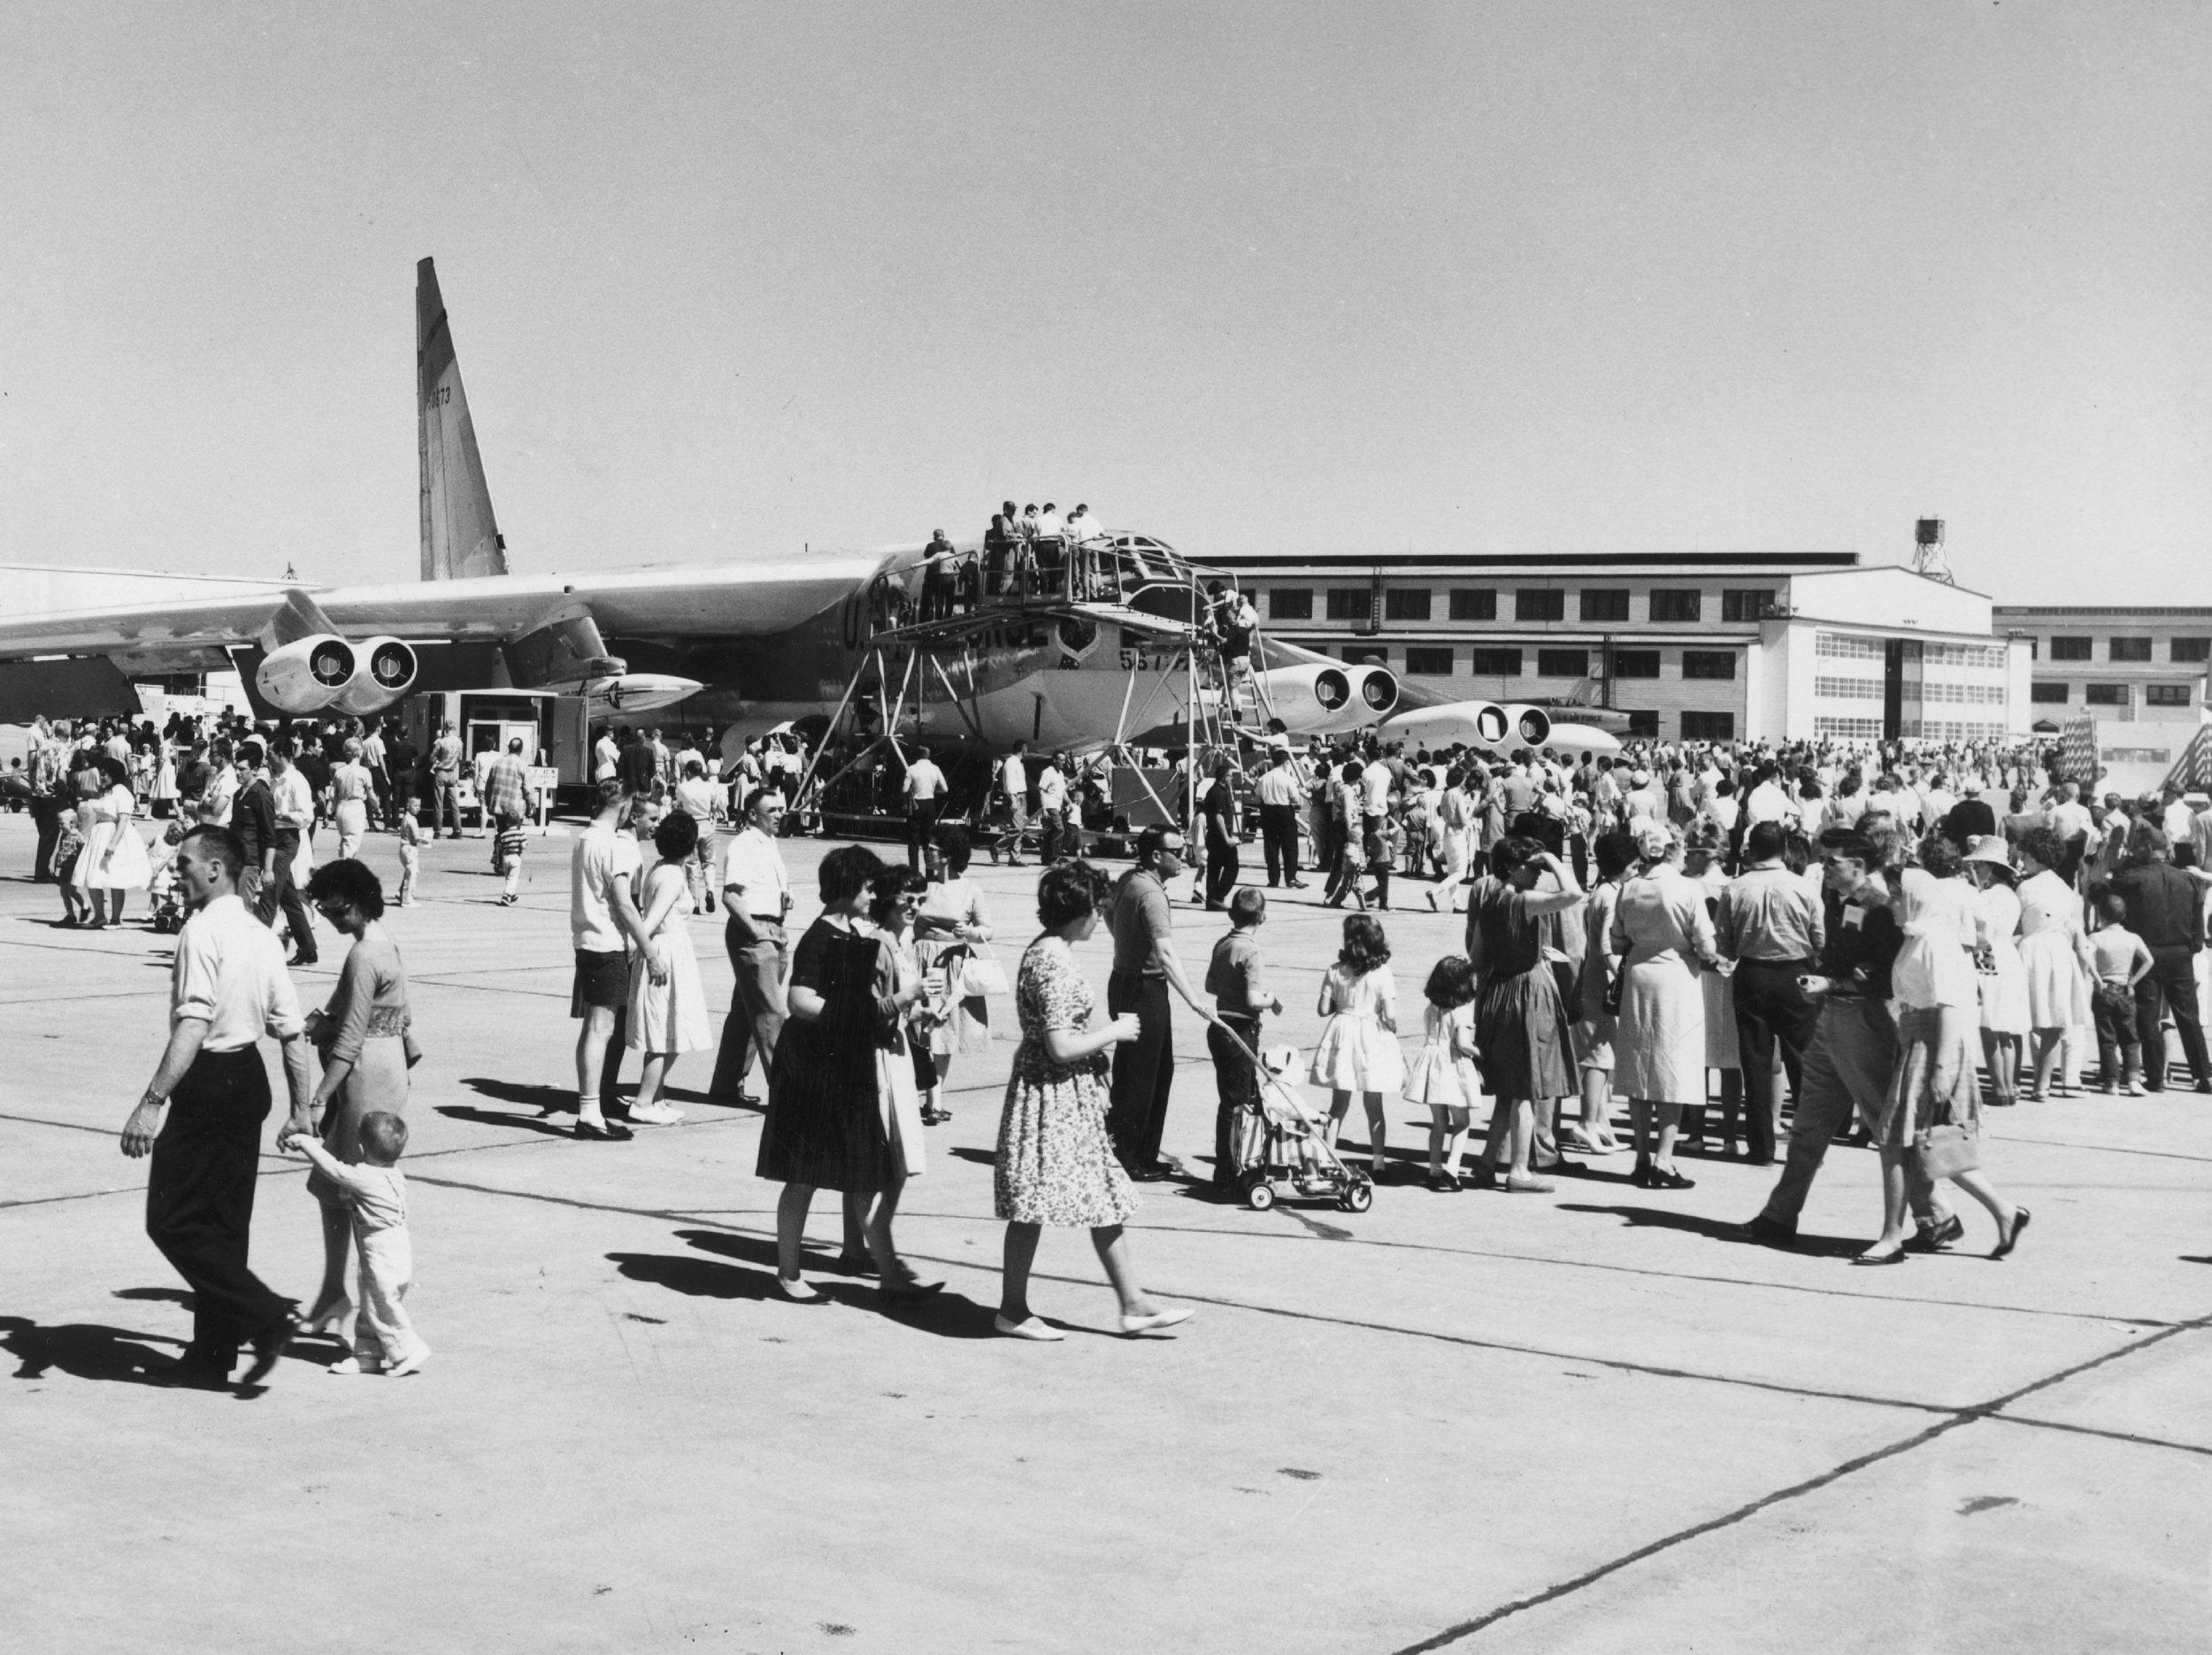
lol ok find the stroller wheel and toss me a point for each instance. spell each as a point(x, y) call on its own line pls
point(1359, 1198)
point(1260, 1196)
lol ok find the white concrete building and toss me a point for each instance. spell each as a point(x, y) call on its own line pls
point(1693, 645)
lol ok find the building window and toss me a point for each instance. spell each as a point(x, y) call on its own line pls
point(1668, 603)
point(1366, 655)
point(1635, 663)
point(1494, 663)
point(2106, 695)
point(1351, 603)
point(2166, 695)
point(1842, 646)
point(1406, 602)
point(1540, 603)
point(1848, 689)
point(1709, 663)
point(1644, 721)
point(1430, 662)
point(1709, 727)
point(1989, 657)
point(2131, 650)
point(2046, 692)
point(1605, 603)
point(1290, 602)
point(1474, 603)
point(1746, 603)
point(1849, 729)
point(1562, 663)
point(2192, 651)
point(2071, 649)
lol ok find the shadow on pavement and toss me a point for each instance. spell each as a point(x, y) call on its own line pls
point(751, 1274)
point(83, 1351)
point(562, 1098)
point(1717, 1229)
point(982, 1158)
point(156, 1295)
point(502, 1117)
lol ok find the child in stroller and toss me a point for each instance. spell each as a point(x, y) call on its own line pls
point(1284, 1129)
point(161, 886)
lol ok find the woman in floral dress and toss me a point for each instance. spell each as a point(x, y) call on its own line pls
point(1055, 1165)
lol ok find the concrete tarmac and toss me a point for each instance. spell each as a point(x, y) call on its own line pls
point(1588, 1420)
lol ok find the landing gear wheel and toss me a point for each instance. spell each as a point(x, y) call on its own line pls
point(1260, 1196)
point(1359, 1198)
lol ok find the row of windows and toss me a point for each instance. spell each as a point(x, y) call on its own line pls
point(1842, 646)
point(1595, 604)
point(1848, 688)
point(2187, 651)
point(2114, 695)
point(1988, 655)
point(1437, 659)
point(1951, 730)
point(1986, 693)
point(1849, 729)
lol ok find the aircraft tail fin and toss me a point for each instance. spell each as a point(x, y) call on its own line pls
point(460, 537)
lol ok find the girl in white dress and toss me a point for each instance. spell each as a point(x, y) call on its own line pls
point(114, 861)
point(1443, 1075)
point(1359, 1044)
point(668, 1009)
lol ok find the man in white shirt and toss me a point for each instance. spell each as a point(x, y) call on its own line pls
point(700, 797)
point(293, 804)
point(606, 758)
point(228, 987)
point(924, 788)
point(603, 920)
point(1052, 810)
point(756, 898)
point(1280, 791)
point(2071, 820)
point(2176, 817)
point(1013, 781)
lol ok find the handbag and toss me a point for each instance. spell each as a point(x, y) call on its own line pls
point(1945, 1152)
point(1616, 987)
point(981, 973)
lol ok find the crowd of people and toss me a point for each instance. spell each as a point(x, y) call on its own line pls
point(1890, 940)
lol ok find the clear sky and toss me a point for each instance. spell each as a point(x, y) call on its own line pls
point(727, 280)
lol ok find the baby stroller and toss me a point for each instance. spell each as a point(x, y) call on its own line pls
point(161, 888)
point(1290, 1153)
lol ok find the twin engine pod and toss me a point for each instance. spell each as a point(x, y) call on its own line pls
point(326, 671)
point(1319, 700)
point(1476, 723)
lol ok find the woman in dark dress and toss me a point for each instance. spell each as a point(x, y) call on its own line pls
point(1520, 1021)
point(825, 1127)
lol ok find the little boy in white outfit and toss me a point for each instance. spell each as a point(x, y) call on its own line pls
point(384, 1340)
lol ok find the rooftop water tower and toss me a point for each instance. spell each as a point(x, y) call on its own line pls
point(1928, 557)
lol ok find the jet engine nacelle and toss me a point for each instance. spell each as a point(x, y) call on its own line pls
point(1316, 700)
point(306, 676)
point(387, 671)
point(1476, 723)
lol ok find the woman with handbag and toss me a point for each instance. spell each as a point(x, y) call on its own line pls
point(363, 1036)
point(1520, 1019)
point(952, 935)
point(1665, 933)
point(1933, 1108)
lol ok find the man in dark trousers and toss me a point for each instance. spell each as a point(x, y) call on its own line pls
point(1281, 793)
point(226, 989)
point(1145, 965)
point(2165, 909)
point(1771, 927)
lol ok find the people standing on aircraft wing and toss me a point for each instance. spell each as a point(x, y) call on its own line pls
point(506, 801)
point(1052, 813)
point(757, 904)
point(923, 789)
point(1146, 965)
point(1025, 551)
point(1013, 783)
point(937, 577)
point(998, 550)
point(605, 923)
point(445, 779)
point(1052, 552)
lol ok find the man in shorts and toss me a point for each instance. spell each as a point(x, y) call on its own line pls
point(604, 923)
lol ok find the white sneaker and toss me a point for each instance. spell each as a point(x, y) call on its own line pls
point(354, 1365)
point(655, 1115)
point(411, 1363)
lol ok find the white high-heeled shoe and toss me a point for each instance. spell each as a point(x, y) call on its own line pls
point(328, 1322)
